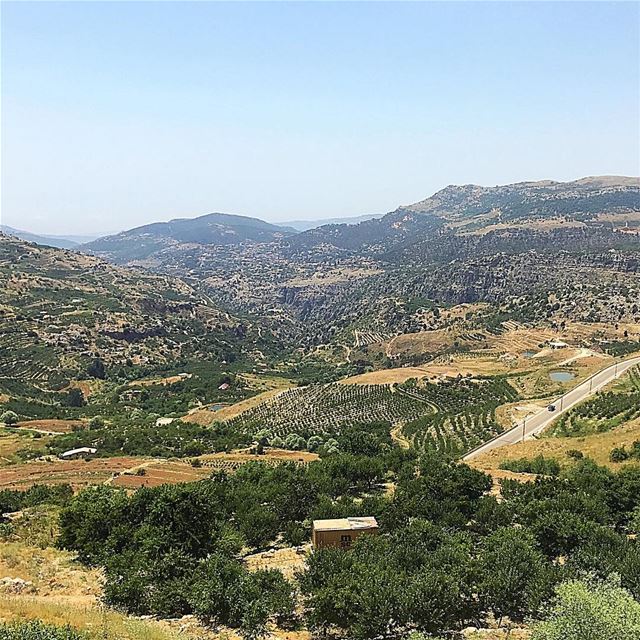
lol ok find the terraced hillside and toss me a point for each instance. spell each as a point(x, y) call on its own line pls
point(533, 250)
point(463, 415)
point(64, 315)
point(449, 416)
point(325, 409)
point(605, 412)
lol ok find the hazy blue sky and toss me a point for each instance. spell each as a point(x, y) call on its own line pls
point(117, 114)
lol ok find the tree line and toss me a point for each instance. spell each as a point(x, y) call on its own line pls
point(449, 553)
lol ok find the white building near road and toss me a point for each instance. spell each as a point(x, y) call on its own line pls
point(82, 452)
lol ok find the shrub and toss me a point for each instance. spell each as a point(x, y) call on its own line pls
point(36, 630)
point(575, 454)
point(9, 418)
point(14, 500)
point(294, 534)
point(539, 464)
point(97, 422)
point(591, 611)
point(618, 454)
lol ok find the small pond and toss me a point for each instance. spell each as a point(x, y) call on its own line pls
point(562, 376)
point(529, 354)
point(217, 407)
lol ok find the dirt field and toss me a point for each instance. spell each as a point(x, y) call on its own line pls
point(288, 561)
point(78, 473)
point(4, 398)
point(162, 381)
point(51, 426)
point(161, 472)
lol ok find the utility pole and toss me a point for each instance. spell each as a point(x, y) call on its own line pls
point(524, 422)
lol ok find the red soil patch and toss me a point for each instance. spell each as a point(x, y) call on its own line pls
point(159, 473)
point(57, 426)
point(78, 473)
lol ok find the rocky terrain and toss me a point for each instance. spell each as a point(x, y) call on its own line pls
point(538, 248)
point(61, 312)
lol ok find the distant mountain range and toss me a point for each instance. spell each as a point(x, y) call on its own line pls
point(211, 229)
point(306, 225)
point(50, 241)
point(463, 244)
point(473, 209)
point(188, 228)
point(60, 242)
point(457, 209)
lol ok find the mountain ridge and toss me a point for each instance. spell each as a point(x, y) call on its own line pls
point(457, 209)
point(209, 229)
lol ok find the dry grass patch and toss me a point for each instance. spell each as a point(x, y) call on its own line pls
point(387, 376)
point(288, 560)
point(53, 573)
point(332, 276)
point(161, 381)
point(498, 634)
point(205, 417)
point(12, 441)
point(421, 342)
point(86, 387)
point(265, 383)
point(596, 446)
point(452, 369)
point(232, 461)
point(99, 622)
point(51, 426)
point(157, 473)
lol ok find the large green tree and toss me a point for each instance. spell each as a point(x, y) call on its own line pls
point(513, 575)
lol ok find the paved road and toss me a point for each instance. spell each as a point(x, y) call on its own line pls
point(535, 423)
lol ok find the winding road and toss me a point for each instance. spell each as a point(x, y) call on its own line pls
point(534, 424)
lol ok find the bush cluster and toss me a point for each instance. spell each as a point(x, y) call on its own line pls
point(449, 554)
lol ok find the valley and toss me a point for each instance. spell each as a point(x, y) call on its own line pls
point(320, 321)
point(182, 401)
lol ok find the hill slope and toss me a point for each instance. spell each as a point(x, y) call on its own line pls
point(594, 201)
point(566, 248)
point(59, 310)
point(211, 229)
point(47, 241)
